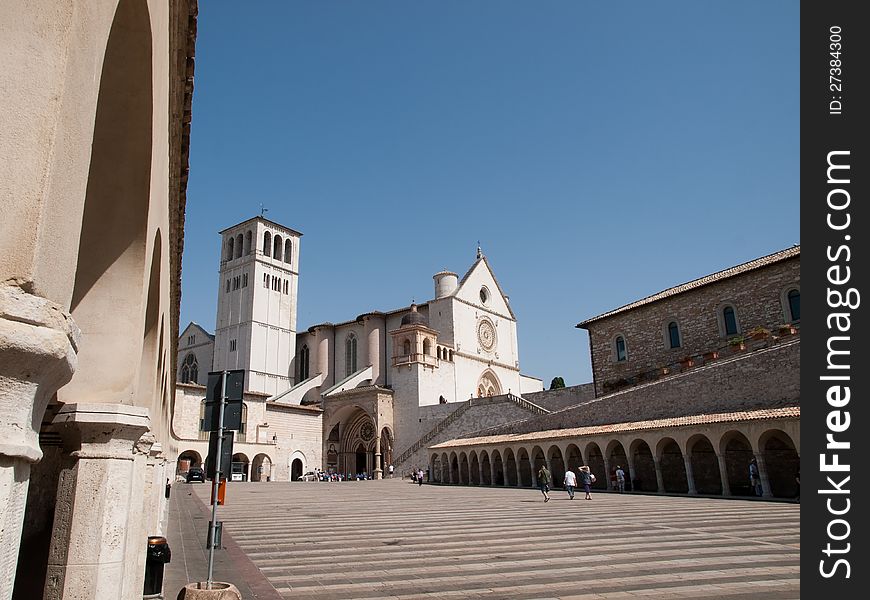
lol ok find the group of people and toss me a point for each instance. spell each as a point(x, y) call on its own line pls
point(417, 476)
point(584, 475)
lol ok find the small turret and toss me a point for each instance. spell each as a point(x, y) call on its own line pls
point(446, 283)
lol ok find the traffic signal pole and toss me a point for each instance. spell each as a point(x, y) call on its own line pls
point(212, 527)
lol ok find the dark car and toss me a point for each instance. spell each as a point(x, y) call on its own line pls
point(195, 474)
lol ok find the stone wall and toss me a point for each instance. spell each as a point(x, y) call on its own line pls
point(757, 297)
point(765, 378)
point(561, 398)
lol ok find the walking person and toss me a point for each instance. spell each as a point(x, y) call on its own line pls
point(620, 479)
point(544, 482)
point(755, 478)
point(570, 483)
point(391, 471)
point(586, 481)
point(420, 477)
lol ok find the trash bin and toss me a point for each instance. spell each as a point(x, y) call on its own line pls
point(157, 556)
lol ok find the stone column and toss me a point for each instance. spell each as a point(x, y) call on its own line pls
point(690, 475)
point(519, 472)
point(723, 475)
point(660, 480)
point(491, 472)
point(632, 476)
point(374, 337)
point(97, 510)
point(378, 472)
point(762, 472)
point(38, 345)
point(609, 483)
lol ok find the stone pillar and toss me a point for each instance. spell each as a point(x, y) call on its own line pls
point(690, 476)
point(660, 480)
point(97, 538)
point(374, 337)
point(38, 345)
point(378, 472)
point(723, 475)
point(491, 472)
point(762, 472)
point(519, 472)
point(607, 479)
point(632, 476)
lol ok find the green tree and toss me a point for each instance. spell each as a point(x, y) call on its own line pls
point(557, 383)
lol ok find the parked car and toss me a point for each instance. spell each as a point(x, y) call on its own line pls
point(195, 474)
point(309, 476)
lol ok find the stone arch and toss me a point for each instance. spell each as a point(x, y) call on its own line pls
point(781, 462)
point(473, 468)
point(573, 458)
point(488, 384)
point(427, 346)
point(595, 460)
point(445, 468)
point(267, 244)
point(736, 450)
point(249, 239)
point(525, 468)
point(644, 479)
point(557, 466)
point(510, 468)
point(297, 467)
point(672, 466)
point(463, 468)
point(616, 457)
point(186, 460)
point(240, 465)
point(231, 248)
point(454, 468)
point(538, 459)
point(356, 441)
point(147, 391)
point(485, 468)
point(406, 347)
point(288, 251)
point(387, 443)
point(261, 468)
point(435, 467)
point(497, 468)
point(107, 296)
point(705, 465)
point(240, 244)
point(277, 247)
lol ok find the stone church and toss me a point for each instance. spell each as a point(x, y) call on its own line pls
point(351, 396)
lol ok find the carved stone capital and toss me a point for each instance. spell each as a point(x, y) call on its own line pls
point(112, 431)
point(38, 345)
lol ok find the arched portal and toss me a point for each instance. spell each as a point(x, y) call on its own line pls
point(595, 460)
point(463, 468)
point(497, 469)
point(705, 465)
point(573, 458)
point(240, 468)
point(488, 385)
point(525, 468)
point(672, 466)
point(187, 459)
point(737, 453)
point(644, 467)
point(361, 459)
point(261, 468)
point(474, 470)
point(616, 458)
point(295, 469)
point(357, 440)
point(454, 468)
point(510, 468)
point(781, 463)
point(435, 464)
point(557, 466)
point(485, 469)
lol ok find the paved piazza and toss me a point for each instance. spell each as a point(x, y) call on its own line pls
point(394, 539)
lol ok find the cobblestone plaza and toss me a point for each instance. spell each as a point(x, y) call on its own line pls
point(393, 539)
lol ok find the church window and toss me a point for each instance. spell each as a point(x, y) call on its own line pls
point(427, 347)
point(794, 305)
point(304, 355)
point(279, 248)
point(673, 334)
point(265, 280)
point(232, 345)
point(189, 369)
point(244, 280)
point(249, 238)
point(191, 340)
point(729, 318)
point(231, 243)
point(438, 352)
point(288, 251)
point(228, 285)
point(621, 354)
point(350, 354)
point(450, 358)
point(267, 244)
point(484, 295)
point(442, 400)
point(406, 348)
point(240, 241)
point(286, 286)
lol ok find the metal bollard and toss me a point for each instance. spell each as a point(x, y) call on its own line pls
point(157, 556)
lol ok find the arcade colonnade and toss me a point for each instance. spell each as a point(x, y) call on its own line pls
point(703, 454)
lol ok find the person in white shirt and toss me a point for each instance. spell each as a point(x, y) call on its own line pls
point(620, 479)
point(570, 483)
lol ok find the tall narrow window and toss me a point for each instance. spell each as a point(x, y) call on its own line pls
point(350, 354)
point(228, 285)
point(231, 244)
point(244, 280)
point(189, 369)
point(288, 251)
point(406, 348)
point(267, 244)
point(249, 237)
point(232, 345)
point(620, 349)
point(794, 305)
point(674, 334)
point(265, 280)
point(279, 248)
point(240, 242)
point(730, 320)
point(303, 363)
point(427, 347)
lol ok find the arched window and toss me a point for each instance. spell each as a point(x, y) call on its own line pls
point(729, 319)
point(406, 348)
point(288, 251)
point(279, 248)
point(249, 238)
point(231, 244)
point(621, 354)
point(350, 354)
point(267, 244)
point(240, 242)
point(427, 347)
point(189, 369)
point(794, 305)
point(450, 356)
point(674, 334)
point(303, 363)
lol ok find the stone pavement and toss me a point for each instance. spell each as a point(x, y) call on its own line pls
point(393, 539)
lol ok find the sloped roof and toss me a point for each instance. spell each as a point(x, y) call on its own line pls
point(706, 280)
point(465, 277)
point(750, 415)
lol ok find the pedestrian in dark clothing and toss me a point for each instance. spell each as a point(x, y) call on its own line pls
point(586, 479)
point(544, 482)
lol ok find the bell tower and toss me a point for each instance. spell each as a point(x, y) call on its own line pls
point(257, 297)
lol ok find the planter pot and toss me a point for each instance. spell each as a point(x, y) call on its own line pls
point(687, 363)
point(787, 330)
point(711, 355)
point(219, 591)
point(738, 347)
point(664, 371)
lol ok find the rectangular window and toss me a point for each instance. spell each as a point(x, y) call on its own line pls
point(244, 280)
point(265, 280)
point(232, 345)
point(191, 340)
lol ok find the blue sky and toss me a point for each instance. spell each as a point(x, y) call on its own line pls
point(600, 151)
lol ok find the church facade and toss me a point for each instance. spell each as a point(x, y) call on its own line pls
point(377, 382)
